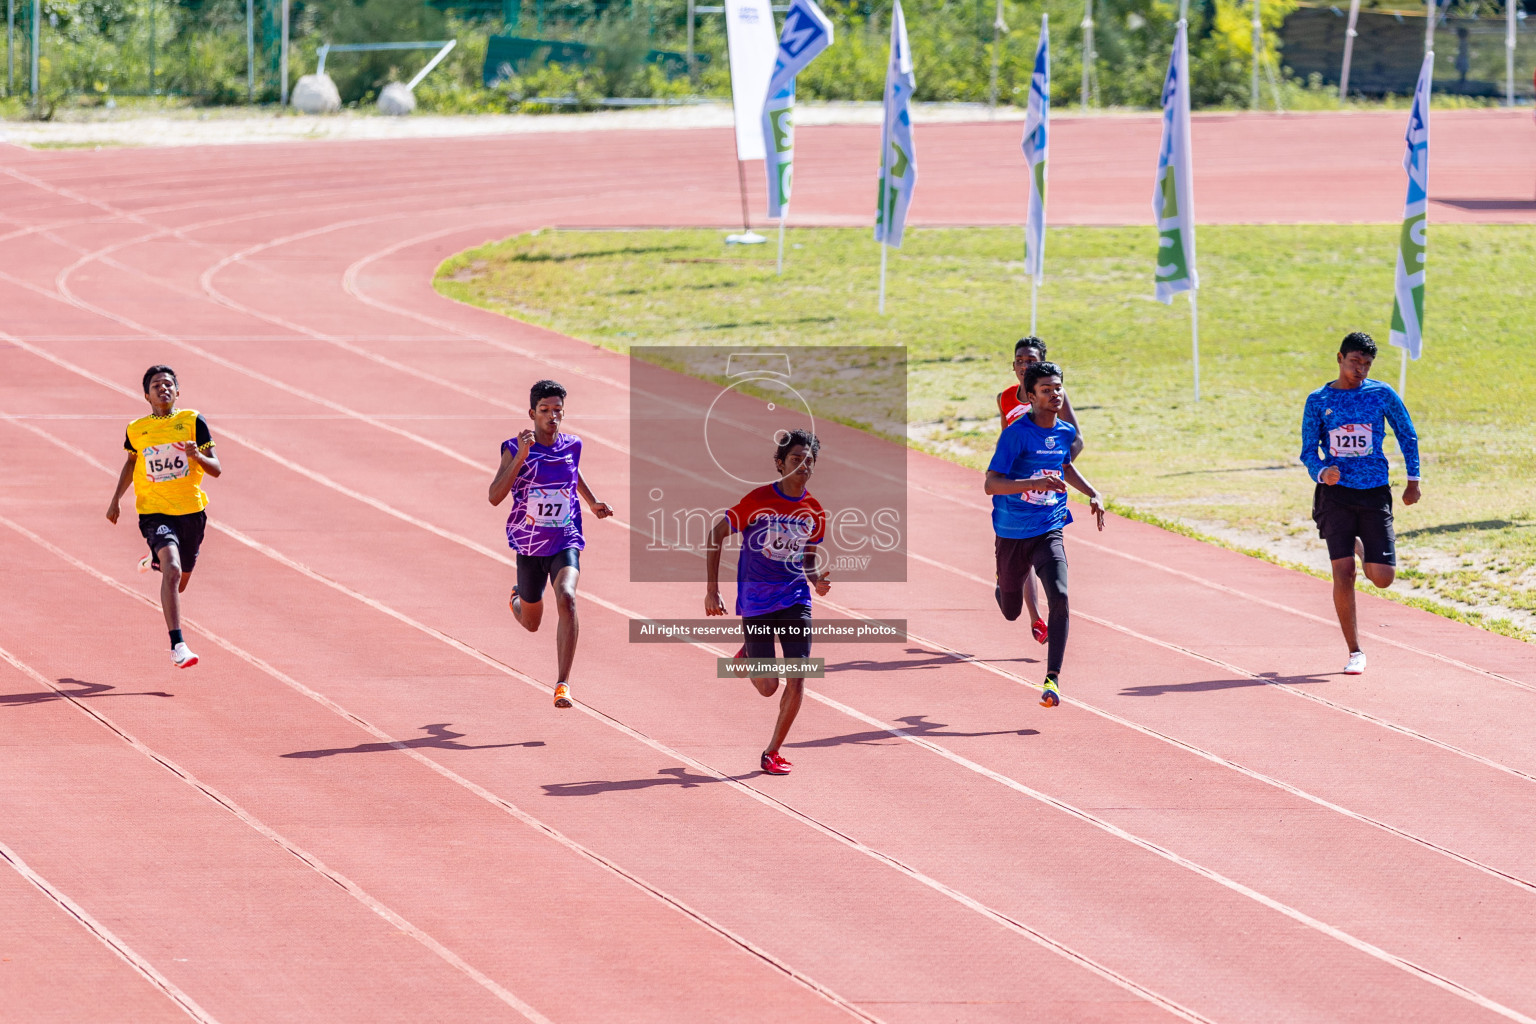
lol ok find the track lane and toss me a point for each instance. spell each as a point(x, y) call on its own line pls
point(542, 340)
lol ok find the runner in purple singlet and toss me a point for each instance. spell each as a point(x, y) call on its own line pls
point(540, 468)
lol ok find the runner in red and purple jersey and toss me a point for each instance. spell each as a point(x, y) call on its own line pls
point(780, 526)
point(540, 468)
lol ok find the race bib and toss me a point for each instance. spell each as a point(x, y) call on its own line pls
point(165, 462)
point(1043, 497)
point(1350, 440)
point(550, 506)
point(783, 543)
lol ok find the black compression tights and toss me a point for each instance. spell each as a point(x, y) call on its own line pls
point(1050, 564)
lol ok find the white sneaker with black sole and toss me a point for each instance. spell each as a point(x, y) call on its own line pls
point(1356, 665)
point(182, 656)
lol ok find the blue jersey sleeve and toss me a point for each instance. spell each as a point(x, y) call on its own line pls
point(1407, 437)
point(1312, 436)
point(1006, 452)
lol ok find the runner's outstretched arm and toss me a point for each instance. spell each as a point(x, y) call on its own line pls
point(601, 509)
point(997, 483)
point(1095, 503)
point(1311, 443)
point(1407, 443)
point(712, 603)
point(124, 481)
point(817, 580)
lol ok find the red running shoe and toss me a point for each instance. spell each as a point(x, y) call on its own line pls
point(1040, 630)
point(773, 764)
point(743, 652)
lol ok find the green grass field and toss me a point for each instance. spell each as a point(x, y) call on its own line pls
point(1274, 303)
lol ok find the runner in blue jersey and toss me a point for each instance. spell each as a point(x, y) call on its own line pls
point(1028, 479)
point(1342, 431)
point(780, 526)
point(541, 469)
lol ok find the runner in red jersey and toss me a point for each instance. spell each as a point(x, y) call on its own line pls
point(1013, 402)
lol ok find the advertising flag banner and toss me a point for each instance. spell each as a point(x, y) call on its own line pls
point(1174, 200)
point(1037, 126)
point(752, 45)
point(807, 31)
point(898, 157)
point(1408, 294)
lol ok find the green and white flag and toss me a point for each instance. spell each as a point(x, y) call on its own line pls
point(1408, 292)
point(1174, 200)
point(898, 155)
point(1037, 127)
point(807, 31)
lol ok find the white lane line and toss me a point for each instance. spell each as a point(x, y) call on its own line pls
point(481, 549)
point(1265, 602)
point(266, 831)
point(487, 795)
point(1358, 944)
point(1128, 632)
point(479, 466)
point(104, 935)
point(350, 282)
point(1215, 758)
point(998, 917)
point(1266, 680)
point(1112, 829)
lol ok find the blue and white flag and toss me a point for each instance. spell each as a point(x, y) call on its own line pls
point(898, 157)
point(1037, 128)
point(1408, 293)
point(1173, 202)
point(806, 33)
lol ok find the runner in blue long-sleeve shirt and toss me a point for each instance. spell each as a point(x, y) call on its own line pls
point(1342, 431)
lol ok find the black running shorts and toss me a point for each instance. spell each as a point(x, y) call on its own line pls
point(186, 532)
point(791, 625)
point(1345, 513)
point(533, 571)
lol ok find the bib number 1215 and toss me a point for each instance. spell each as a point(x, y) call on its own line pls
point(1350, 441)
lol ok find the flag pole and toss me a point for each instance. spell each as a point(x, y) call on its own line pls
point(1194, 334)
point(883, 247)
point(741, 178)
point(782, 218)
point(1349, 50)
point(1402, 377)
point(1034, 301)
point(1258, 48)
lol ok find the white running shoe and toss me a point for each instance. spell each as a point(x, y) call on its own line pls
point(146, 563)
point(182, 656)
point(1356, 666)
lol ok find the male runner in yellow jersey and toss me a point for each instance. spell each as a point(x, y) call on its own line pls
point(168, 453)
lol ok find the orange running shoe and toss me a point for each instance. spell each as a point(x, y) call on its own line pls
point(562, 695)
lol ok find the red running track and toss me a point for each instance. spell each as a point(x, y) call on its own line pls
point(361, 806)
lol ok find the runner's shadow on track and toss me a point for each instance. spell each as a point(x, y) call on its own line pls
point(665, 777)
point(439, 737)
point(916, 725)
point(83, 689)
point(929, 659)
point(1158, 689)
